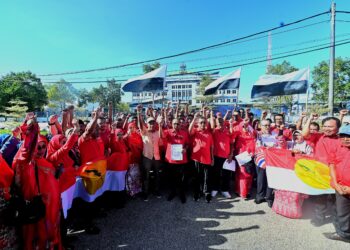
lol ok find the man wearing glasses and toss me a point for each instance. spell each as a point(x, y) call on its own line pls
point(264, 139)
point(340, 179)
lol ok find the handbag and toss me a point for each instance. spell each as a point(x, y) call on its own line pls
point(21, 211)
point(249, 167)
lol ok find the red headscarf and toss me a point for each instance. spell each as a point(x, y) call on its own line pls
point(42, 138)
point(54, 144)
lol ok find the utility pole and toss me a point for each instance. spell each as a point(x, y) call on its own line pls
point(331, 63)
point(269, 52)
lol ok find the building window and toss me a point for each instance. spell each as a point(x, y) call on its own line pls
point(228, 100)
point(234, 91)
point(234, 100)
point(228, 91)
point(179, 93)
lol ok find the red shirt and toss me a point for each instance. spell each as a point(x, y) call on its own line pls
point(341, 159)
point(202, 141)
point(222, 140)
point(286, 133)
point(245, 141)
point(326, 148)
point(91, 149)
point(176, 137)
point(312, 139)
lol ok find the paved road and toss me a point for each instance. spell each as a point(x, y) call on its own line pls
point(222, 224)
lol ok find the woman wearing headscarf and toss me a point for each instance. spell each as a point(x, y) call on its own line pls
point(44, 234)
point(245, 142)
point(58, 154)
point(8, 236)
point(118, 162)
point(135, 145)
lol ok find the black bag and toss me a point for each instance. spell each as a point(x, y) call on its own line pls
point(21, 211)
point(249, 167)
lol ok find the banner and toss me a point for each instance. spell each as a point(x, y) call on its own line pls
point(229, 81)
point(301, 174)
point(277, 85)
point(152, 81)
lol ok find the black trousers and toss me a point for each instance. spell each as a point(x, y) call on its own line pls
point(219, 178)
point(342, 217)
point(177, 178)
point(150, 167)
point(322, 203)
point(262, 189)
point(200, 180)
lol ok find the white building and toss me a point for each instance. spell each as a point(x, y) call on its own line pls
point(185, 89)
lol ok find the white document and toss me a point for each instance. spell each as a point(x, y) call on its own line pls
point(176, 152)
point(243, 158)
point(269, 141)
point(229, 166)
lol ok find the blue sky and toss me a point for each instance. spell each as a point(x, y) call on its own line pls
point(58, 36)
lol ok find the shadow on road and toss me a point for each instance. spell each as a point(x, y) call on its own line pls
point(159, 224)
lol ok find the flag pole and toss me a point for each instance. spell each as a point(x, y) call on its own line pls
point(307, 90)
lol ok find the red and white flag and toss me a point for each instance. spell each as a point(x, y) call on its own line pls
point(302, 174)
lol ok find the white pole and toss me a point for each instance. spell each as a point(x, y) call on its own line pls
point(331, 63)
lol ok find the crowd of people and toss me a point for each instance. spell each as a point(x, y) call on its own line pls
point(190, 147)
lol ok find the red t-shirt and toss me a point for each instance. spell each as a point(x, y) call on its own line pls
point(341, 159)
point(326, 148)
point(312, 139)
point(202, 141)
point(245, 141)
point(176, 137)
point(222, 140)
point(286, 133)
point(91, 149)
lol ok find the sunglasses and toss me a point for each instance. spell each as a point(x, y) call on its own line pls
point(202, 123)
point(344, 136)
point(41, 147)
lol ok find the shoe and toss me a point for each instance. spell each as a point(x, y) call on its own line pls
point(171, 196)
point(335, 236)
point(144, 197)
point(270, 203)
point(196, 197)
point(158, 195)
point(318, 222)
point(259, 201)
point(226, 195)
point(183, 198)
point(208, 197)
point(214, 193)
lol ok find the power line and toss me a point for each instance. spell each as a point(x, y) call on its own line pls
point(191, 51)
point(341, 11)
point(238, 65)
point(222, 56)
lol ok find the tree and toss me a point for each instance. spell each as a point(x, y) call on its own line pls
point(111, 93)
point(16, 109)
point(123, 107)
point(24, 86)
point(205, 81)
point(59, 94)
point(84, 97)
point(280, 69)
point(320, 75)
point(150, 67)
